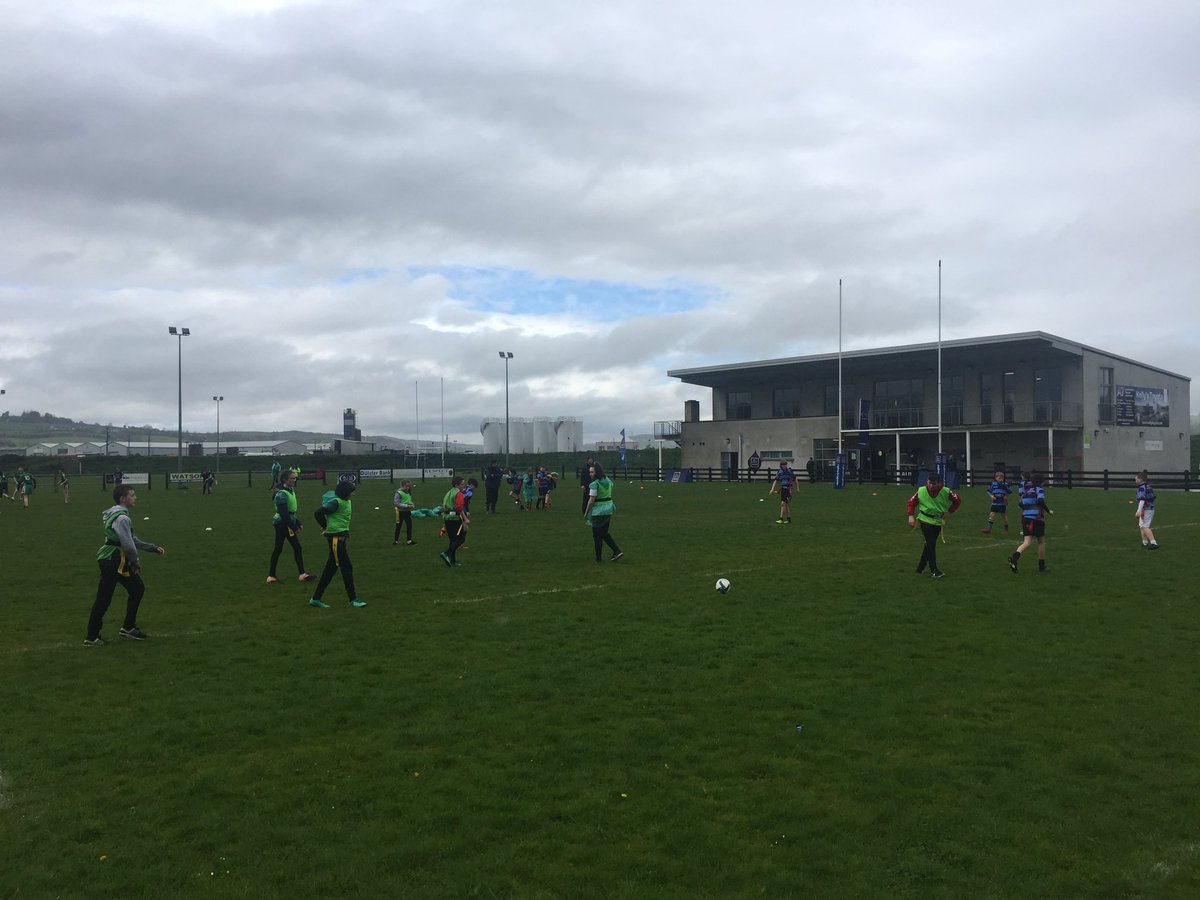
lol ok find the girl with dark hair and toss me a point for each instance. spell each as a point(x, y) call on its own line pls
point(599, 511)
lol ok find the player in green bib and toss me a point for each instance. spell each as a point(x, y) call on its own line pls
point(930, 505)
point(599, 512)
point(403, 502)
point(119, 564)
point(454, 519)
point(335, 516)
point(287, 527)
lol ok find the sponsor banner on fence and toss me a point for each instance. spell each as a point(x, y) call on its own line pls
point(374, 473)
point(422, 473)
point(181, 478)
point(128, 478)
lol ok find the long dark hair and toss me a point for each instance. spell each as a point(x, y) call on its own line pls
point(599, 470)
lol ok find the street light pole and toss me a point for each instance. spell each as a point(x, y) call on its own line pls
point(218, 399)
point(506, 356)
point(180, 334)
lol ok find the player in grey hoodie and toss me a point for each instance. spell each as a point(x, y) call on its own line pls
point(119, 564)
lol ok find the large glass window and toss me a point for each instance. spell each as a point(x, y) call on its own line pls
point(737, 405)
point(898, 403)
point(1106, 413)
point(1047, 394)
point(786, 404)
point(831, 395)
point(952, 400)
point(1008, 395)
point(987, 396)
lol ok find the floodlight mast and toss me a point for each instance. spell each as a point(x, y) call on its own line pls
point(506, 356)
point(218, 400)
point(180, 334)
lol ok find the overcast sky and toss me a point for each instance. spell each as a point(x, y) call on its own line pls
point(343, 199)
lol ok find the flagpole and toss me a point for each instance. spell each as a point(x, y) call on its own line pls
point(939, 357)
point(839, 409)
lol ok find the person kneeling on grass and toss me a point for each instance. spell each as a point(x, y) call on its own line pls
point(334, 517)
point(119, 564)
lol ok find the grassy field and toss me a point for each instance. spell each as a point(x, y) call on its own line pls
point(536, 725)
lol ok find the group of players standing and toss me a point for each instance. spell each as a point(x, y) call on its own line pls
point(933, 502)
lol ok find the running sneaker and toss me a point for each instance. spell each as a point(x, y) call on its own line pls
point(271, 579)
point(304, 576)
point(132, 634)
point(358, 604)
point(94, 642)
point(319, 604)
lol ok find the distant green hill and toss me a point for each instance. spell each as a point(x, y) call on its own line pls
point(32, 427)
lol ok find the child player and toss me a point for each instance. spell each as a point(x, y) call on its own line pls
point(1033, 520)
point(1145, 509)
point(403, 502)
point(999, 492)
point(784, 479)
point(930, 505)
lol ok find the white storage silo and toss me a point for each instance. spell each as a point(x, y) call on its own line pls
point(493, 436)
point(543, 435)
point(568, 434)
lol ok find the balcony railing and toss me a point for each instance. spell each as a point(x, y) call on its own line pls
point(1041, 412)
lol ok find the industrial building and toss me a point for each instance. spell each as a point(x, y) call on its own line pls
point(537, 435)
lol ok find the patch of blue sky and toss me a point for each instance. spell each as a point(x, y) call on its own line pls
point(353, 276)
point(517, 291)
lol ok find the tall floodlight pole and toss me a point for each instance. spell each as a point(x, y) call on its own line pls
point(180, 334)
point(506, 356)
point(218, 399)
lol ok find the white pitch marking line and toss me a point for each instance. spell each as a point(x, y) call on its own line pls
point(572, 590)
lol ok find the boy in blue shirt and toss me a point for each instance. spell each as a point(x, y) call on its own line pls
point(784, 479)
point(1145, 509)
point(999, 492)
point(1033, 520)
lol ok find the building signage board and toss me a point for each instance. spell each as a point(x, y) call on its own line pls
point(1147, 407)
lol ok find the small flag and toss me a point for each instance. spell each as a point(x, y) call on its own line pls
point(622, 448)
